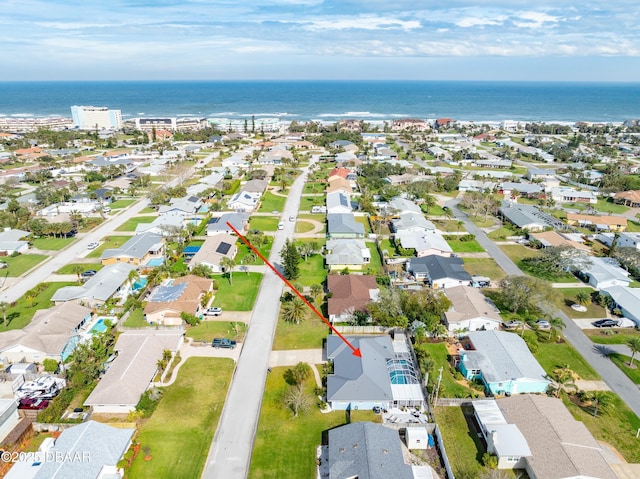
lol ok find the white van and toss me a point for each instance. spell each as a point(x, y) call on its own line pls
point(280, 226)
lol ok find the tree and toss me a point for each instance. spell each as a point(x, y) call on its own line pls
point(523, 294)
point(601, 400)
point(297, 400)
point(387, 311)
point(3, 308)
point(583, 298)
point(633, 343)
point(307, 248)
point(201, 270)
point(564, 379)
point(429, 202)
point(294, 311)
point(290, 260)
point(557, 260)
point(77, 269)
point(227, 264)
point(297, 375)
point(316, 290)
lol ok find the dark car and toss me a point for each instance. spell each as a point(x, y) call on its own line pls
point(88, 274)
point(605, 323)
point(223, 343)
point(29, 403)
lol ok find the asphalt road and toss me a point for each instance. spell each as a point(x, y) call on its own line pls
point(593, 353)
point(230, 453)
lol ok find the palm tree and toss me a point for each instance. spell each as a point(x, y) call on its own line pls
point(564, 379)
point(295, 311)
point(227, 265)
point(602, 401)
point(429, 202)
point(316, 290)
point(133, 276)
point(77, 269)
point(583, 298)
point(634, 345)
point(3, 307)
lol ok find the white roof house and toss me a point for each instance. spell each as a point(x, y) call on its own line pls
point(11, 241)
point(244, 201)
point(348, 252)
point(130, 374)
point(425, 243)
point(412, 222)
point(338, 202)
point(604, 273)
point(628, 301)
point(470, 310)
point(400, 205)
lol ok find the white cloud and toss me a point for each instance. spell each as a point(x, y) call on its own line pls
point(531, 19)
point(360, 23)
point(480, 21)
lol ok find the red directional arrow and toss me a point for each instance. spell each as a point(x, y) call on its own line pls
point(356, 351)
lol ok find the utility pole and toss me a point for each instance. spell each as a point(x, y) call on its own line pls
point(435, 401)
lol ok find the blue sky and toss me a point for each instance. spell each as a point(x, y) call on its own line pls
point(316, 39)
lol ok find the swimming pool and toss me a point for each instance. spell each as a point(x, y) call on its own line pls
point(402, 371)
point(99, 327)
point(139, 284)
point(155, 262)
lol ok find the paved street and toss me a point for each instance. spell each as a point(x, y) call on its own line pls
point(230, 453)
point(593, 353)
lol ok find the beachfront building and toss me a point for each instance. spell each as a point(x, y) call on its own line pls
point(96, 118)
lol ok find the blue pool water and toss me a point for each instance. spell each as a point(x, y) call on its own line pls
point(139, 284)
point(99, 327)
point(155, 262)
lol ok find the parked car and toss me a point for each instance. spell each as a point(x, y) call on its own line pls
point(29, 403)
point(223, 343)
point(88, 274)
point(513, 324)
point(106, 209)
point(4, 264)
point(215, 311)
point(543, 324)
point(605, 323)
point(275, 212)
point(93, 245)
point(281, 226)
point(292, 218)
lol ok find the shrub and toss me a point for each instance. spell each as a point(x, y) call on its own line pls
point(50, 365)
point(489, 460)
point(57, 406)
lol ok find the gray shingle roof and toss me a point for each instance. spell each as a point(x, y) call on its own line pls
point(367, 451)
point(136, 247)
point(343, 223)
point(439, 267)
point(101, 287)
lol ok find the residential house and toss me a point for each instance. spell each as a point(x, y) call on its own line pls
point(350, 254)
point(627, 301)
point(344, 225)
point(346, 145)
point(52, 334)
point(133, 369)
point(503, 362)
point(343, 173)
point(112, 281)
point(549, 239)
point(629, 198)
point(604, 272)
point(503, 440)
point(218, 224)
point(541, 174)
point(440, 153)
point(337, 183)
point(410, 124)
point(91, 450)
point(188, 205)
point(629, 240)
point(255, 186)
point(412, 223)
point(365, 450)
point(400, 206)
point(424, 243)
point(598, 222)
point(470, 310)
point(346, 157)
point(338, 202)
point(349, 293)
point(169, 300)
point(12, 241)
point(244, 201)
point(84, 209)
point(476, 185)
point(527, 217)
point(9, 417)
point(275, 156)
point(494, 163)
point(385, 376)
point(561, 447)
point(439, 271)
point(511, 189)
point(144, 249)
point(564, 194)
point(212, 251)
point(164, 225)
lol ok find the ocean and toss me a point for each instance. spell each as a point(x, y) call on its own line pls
point(332, 100)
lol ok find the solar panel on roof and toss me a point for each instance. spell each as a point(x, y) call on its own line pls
point(223, 248)
point(167, 293)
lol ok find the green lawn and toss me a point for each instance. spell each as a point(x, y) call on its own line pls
point(622, 361)
point(271, 202)
point(464, 246)
point(130, 225)
point(502, 233)
point(119, 204)
point(569, 298)
point(285, 447)
point(364, 221)
point(308, 202)
point(20, 264)
point(633, 226)
point(264, 223)
point(244, 250)
point(551, 356)
point(376, 261)
point(611, 336)
point(484, 267)
point(108, 242)
point(52, 243)
point(617, 427)
point(207, 330)
point(607, 206)
point(68, 268)
point(533, 270)
point(450, 226)
point(240, 295)
point(314, 187)
point(304, 227)
point(464, 447)
point(312, 271)
point(148, 209)
point(306, 335)
point(518, 252)
point(181, 429)
point(481, 222)
point(136, 319)
point(19, 314)
point(435, 210)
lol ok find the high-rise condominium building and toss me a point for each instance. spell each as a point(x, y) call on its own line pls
point(96, 117)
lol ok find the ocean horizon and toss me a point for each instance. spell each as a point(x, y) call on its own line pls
point(329, 101)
